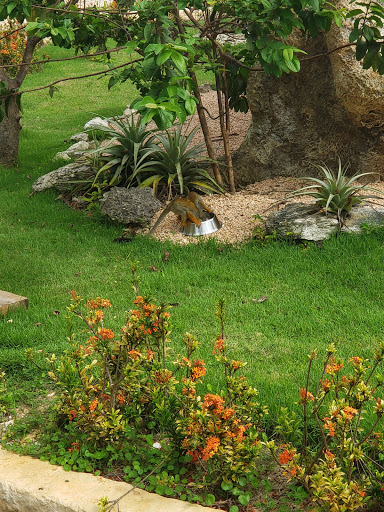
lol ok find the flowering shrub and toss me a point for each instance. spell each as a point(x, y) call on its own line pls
point(13, 40)
point(221, 431)
point(120, 391)
point(344, 470)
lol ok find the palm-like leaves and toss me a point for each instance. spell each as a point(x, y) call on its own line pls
point(337, 194)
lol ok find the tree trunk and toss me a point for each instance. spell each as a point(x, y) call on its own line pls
point(10, 126)
point(9, 134)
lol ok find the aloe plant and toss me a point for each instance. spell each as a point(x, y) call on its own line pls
point(179, 167)
point(337, 193)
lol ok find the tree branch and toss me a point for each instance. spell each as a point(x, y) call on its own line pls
point(83, 56)
point(74, 78)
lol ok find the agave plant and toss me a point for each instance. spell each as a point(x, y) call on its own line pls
point(337, 194)
point(178, 167)
point(128, 153)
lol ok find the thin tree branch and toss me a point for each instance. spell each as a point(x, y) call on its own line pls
point(74, 78)
point(83, 56)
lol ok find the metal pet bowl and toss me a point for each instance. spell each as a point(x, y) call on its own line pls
point(208, 226)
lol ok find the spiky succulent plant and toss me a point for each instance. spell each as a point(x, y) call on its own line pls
point(337, 193)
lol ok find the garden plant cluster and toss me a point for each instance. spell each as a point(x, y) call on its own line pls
point(126, 404)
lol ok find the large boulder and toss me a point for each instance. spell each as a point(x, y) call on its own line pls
point(308, 222)
point(130, 206)
point(64, 178)
point(332, 108)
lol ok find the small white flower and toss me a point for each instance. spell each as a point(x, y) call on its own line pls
point(10, 321)
point(157, 446)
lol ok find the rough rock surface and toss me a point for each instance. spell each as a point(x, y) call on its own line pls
point(96, 123)
point(308, 222)
point(62, 179)
point(77, 137)
point(332, 108)
point(130, 205)
point(76, 150)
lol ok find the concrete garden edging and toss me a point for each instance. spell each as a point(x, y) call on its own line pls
point(31, 485)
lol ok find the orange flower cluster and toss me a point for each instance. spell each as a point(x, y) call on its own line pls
point(330, 426)
point(211, 447)
point(134, 354)
point(325, 384)
point(349, 412)
point(216, 402)
point(93, 405)
point(219, 346)
point(198, 369)
point(285, 457)
point(356, 360)
point(162, 376)
point(72, 414)
point(74, 446)
point(305, 396)
point(106, 334)
point(333, 366)
point(98, 303)
point(120, 398)
point(236, 365)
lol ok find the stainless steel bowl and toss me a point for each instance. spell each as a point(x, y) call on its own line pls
point(207, 227)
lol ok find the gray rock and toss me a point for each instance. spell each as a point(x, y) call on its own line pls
point(130, 205)
point(76, 150)
point(82, 136)
point(62, 179)
point(96, 123)
point(308, 222)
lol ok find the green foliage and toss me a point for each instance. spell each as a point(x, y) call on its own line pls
point(337, 194)
point(345, 470)
point(119, 398)
point(128, 154)
point(179, 167)
point(135, 157)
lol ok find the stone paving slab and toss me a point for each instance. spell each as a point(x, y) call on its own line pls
point(31, 485)
point(10, 301)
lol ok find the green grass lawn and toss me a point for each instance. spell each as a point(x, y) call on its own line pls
point(315, 295)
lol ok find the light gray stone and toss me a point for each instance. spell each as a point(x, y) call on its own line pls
point(62, 179)
point(96, 123)
point(308, 222)
point(30, 485)
point(130, 205)
point(76, 150)
point(82, 136)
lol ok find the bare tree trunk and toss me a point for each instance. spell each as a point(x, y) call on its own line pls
point(10, 126)
point(206, 133)
point(9, 134)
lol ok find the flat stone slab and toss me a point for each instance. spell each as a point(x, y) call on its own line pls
point(30, 485)
point(10, 301)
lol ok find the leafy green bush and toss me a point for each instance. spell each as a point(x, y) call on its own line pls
point(341, 466)
point(337, 194)
point(120, 397)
